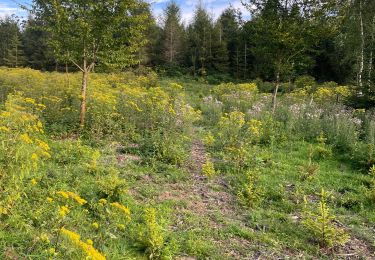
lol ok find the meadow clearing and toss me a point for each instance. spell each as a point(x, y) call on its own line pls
point(176, 168)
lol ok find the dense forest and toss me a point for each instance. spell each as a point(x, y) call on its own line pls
point(230, 136)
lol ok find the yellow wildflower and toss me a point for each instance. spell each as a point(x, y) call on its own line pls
point(49, 199)
point(33, 182)
point(102, 202)
point(255, 127)
point(121, 226)
point(52, 251)
point(95, 225)
point(89, 241)
point(41, 106)
point(39, 124)
point(5, 114)
point(63, 211)
point(45, 154)
point(34, 157)
point(72, 195)
point(43, 145)
point(44, 238)
point(64, 194)
point(121, 207)
point(86, 247)
point(30, 100)
point(4, 129)
point(25, 138)
point(77, 198)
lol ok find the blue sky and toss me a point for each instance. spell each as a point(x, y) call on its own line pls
point(8, 7)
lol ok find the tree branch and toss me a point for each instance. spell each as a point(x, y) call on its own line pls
point(76, 65)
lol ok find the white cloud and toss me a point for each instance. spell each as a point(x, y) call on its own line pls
point(6, 10)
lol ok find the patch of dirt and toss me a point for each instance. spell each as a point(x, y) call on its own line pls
point(208, 198)
point(11, 254)
point(125, 158)
point(353, 249)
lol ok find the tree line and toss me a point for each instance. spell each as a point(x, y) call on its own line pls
point(329, 40)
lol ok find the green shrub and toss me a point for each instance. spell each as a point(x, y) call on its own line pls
point(321, 223)
point(151, 235)
point(250, 192)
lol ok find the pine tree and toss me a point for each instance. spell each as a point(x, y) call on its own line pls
point(173, 34)
point(35, 45)
point(11, 53)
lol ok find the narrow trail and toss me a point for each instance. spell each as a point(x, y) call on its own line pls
point(213, 193)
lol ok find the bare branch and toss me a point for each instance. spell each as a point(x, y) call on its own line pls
point(76, 65)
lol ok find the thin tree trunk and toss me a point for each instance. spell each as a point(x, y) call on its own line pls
point(361, 65)
point(274, 97)
point(370, 69)
point(244, 76)
point(16, 55)
point(67, 73)
point(85, 74)
point(237, 64)
point(220, 34)
point(171, 46)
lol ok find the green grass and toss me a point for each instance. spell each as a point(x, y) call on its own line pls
point(196, 217)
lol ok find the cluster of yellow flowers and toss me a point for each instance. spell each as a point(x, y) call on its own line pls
point(87, 247)
point(122, 208)
point(208, 168)
point(63, 210)
point(26, 138)
point(72, 195)
point(234, 120)
point(255, 127)
point(4, 129)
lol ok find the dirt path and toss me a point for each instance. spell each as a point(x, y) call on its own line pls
point(213, 193)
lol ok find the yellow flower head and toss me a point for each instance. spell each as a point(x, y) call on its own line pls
point(95, 225)
point(63, 194)
point(30, 100)
point(44, 238)
point(52, 251)
point(4, 129)
point(49, 199)
point(33, 182)
point(87, 247)
point(43, 145)
point(77, 198)
point(63, 211)
point(121, 207)
point(25, 138)
point(121, 226)
point(34, 157)
point(72, 195)
point(102, 202)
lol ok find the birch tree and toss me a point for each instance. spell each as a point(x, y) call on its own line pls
point(90, 32)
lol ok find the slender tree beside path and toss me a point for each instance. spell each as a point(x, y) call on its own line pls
point(91, 32)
